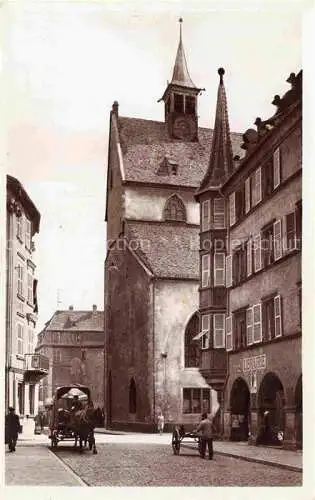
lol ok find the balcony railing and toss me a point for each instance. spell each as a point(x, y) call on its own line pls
point(36, 365)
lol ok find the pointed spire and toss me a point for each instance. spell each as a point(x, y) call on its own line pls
point(221, 156)
point(180, 73)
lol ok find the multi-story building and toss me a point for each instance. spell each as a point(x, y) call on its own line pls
point(250, 290)
point(23, 368)
point(152, 263)
point(73, 341)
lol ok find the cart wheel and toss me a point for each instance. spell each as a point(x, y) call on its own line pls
point(176, 443)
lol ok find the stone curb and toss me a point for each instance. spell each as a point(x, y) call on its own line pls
point(261, 461)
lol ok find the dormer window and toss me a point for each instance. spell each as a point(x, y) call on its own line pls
point(175, 209)
point(168, 166)
point(179, 103)
point(174, 169)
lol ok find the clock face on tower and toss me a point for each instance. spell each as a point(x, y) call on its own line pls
point(184, 127)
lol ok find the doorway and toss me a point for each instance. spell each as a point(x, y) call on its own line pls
point(240, 405)
point(271, 399)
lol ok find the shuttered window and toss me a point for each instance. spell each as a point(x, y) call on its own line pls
point(228, 334)
point(277, 240)
point(249, 326)
point(205, 329)
point(276, 168)
point(257, 253)
point(219, 269)
point(249, 257)
point(232, 209)
point(30, 341)
point(257, 331)
point(256, 187)
point(247, 195)
point(228, 275)
point(20, 280)
point(278, 318)
point(218, 213)
point(205, 215)
point(19, 227)
point(30, 288)
point(28, 234)
point(218, 330)
point(20, 339)
point(205, 270)
point(289, 232)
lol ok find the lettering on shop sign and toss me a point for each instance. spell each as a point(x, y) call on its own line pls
point(254, 363)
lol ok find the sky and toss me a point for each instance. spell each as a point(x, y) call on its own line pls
point(66, 62)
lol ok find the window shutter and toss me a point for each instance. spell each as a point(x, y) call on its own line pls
point(219, 213)
point(289, 232)
point(258, 184)
point(219, 269)
point(27, 234)
point(205, 270)
point(249, 326)
point(277, 240)
point(205, 328)
point(247, 195)
point(278, 316)
point(276, 168)
point(228, 334)
point(257, 334)
point(232, 209)
point(30, 288)
point(249, 259)
point(228, 273)
point(205, 220)
point(219, 330)
point(257, 253)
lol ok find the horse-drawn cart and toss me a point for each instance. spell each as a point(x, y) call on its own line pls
point(179, 435)
point(72, 416)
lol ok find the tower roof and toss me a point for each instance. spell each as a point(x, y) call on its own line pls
point(180, 73)
point(221, 157)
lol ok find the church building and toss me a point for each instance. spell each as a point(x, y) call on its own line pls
point(152, 325)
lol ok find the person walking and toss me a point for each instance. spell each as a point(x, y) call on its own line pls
point(12, 428)
point(206, 436)
point(160, 422)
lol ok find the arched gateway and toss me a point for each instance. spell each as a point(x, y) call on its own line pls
point(240, 404)
point(271, 398)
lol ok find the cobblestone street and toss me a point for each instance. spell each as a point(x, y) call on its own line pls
point(155, 465)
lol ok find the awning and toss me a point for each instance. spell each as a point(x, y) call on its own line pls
point(200, 334)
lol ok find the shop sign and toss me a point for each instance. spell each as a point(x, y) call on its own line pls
point(254, 363)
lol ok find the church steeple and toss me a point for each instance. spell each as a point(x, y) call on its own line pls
point(180, 98)
point(221, 156)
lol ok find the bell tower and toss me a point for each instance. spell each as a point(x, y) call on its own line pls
point(180, 99)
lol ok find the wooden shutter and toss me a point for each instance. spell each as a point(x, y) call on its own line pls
point(232, 209)
point(277, 240)
point(205, 215)
point(257, 331)
point(249, 257)
point(247, 195)
point(257, 253)
point(219, 213)
point(205, 328)
point(278, 316)
point(289, 232)
point(27, 234)
point(30, 288)
point(228, 271)
point(218, 330)
point(205, 269)
point(249, 326)
point(256, 186)
point(276, 168)
point(219, 269)
point(228, 334)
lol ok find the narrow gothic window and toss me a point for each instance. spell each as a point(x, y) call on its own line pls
point(175, 209)
point(132, 396)
point(192, 352)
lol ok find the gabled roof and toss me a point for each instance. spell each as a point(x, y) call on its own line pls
point(76, 321)
point(145, 143)
point(169, 250)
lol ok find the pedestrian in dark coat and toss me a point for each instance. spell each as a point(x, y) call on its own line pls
point(206, 435)
point(12, 428)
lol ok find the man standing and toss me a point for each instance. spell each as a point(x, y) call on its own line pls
point(206, 436)
point(12, 428)
point(160, 422)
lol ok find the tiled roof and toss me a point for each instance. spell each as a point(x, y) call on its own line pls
point(77, 321)
point(145, 143)
point(170, 250)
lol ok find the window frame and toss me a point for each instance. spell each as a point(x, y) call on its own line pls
point(203, 391)
point(205, 215)
point(249, 326)
point(218, 204)
point(257, 251)
point(229, 271)
point(278, 316)
point(28, 232)
point(277, 237)
point(20, 339)
point(229, 333)
point(19, 227)
point(205, 337)
point(259, 323)
point(218, 345)
point(256, 184)
point(218, 269)
point(206, 270)
point(30, 298)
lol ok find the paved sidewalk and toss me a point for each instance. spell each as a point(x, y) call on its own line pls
point(287, 459)
point(37, 466)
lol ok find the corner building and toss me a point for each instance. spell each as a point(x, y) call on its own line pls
point(152, 262)
point(259, 358)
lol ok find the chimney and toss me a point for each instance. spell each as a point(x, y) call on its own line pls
point(94, 307)
point(115, 107)
point(70, 308)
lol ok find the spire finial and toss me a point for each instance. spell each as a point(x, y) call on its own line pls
point(221, 73)
point(180, 20)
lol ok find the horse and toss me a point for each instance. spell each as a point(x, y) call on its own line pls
point(83, 427)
